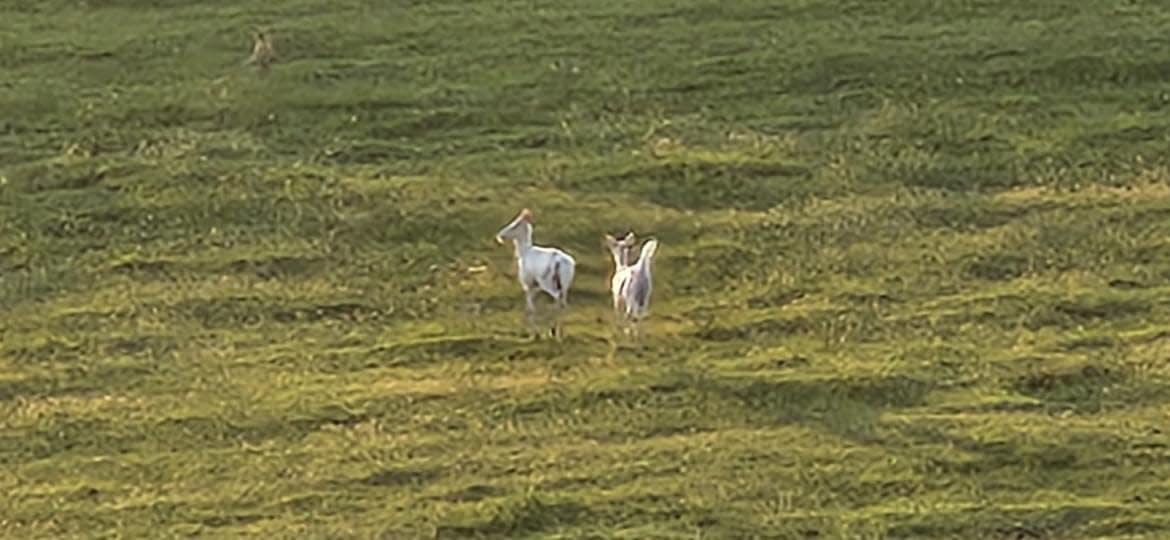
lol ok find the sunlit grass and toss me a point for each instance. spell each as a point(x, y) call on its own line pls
point(911, 282)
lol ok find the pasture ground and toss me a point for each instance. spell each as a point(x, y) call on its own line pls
point(914, 279)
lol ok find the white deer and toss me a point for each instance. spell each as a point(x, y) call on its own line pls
point(540, 268)
point(622, 253)
point(631, 284)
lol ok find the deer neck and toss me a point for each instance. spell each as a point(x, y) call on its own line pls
point(523, 245)
point(618, 262)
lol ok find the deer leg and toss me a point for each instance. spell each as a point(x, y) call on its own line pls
point(530, 307)
point(555, 327)
point(639, 333)
point(618, 322)
point(631, 319)
point(558, 330)
point(530, 301)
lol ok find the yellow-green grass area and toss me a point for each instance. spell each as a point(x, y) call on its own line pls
point(913, 279)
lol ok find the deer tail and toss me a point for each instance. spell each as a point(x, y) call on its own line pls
point(648, 250)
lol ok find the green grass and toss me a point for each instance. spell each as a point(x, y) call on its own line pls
point(914, 279)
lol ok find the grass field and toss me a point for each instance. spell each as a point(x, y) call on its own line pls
point(913, 282)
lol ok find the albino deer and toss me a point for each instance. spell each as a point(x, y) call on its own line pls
point(622, 253)
point(540, 268)
point(631, 283)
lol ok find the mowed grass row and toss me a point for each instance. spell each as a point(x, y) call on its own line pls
point(914, 277)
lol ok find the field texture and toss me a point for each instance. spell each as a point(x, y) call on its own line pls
point(913, 281)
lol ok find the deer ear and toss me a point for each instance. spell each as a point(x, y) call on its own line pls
point(526, 214)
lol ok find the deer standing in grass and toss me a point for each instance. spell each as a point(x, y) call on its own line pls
point(540, 268)
point(263, 54)
point(631, 283)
